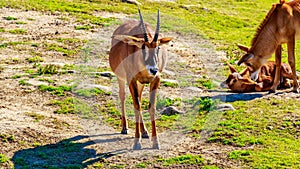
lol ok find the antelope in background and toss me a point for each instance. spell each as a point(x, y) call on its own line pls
point(241, 82)
point(136, 57)
point(281, 25)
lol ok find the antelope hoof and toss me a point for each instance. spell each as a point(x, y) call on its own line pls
point(137, 145)
point(145, 134)
point(155, 146)
point(155, 143)
point(296, 90)
point(272, 91)
point(124, 131)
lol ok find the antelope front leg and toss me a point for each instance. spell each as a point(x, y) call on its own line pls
point(122, 99)
point(142, 124)
point(291, 58)
point(138, 115)
point(278, 68)
point(152, 109)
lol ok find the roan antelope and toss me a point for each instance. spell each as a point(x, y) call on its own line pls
point(241, 82)
point(281, 25)
point(138, 58)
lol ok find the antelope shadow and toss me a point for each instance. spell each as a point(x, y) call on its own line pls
point(74, 152)
point(232, 97)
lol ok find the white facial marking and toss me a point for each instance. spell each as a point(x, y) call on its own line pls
point(149, 68)
point(254, 76)
point(237, 75)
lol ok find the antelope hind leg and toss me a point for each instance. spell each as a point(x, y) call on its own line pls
point(291, 59)
point(278, 68)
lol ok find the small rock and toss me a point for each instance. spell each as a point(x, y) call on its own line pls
point(132, 2)
point(194, 89)
point(90, 86)
point(225, 107)
point(35, 82)
point(169, 111)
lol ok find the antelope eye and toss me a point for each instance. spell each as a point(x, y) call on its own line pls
point(234, 80)
point(248, 64)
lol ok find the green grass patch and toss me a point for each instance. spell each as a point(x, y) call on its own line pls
point(169, 84)
point(91, 92)
point(73, 105)
point(162, 102)
point(66, 106)
point(59, 91)
point(10, 18)
point(66, 50)
point(17, 76)
point(7, 138)
point(205, 83)
point(83, 27)
point(3, 158)
point(239, 154)
point(46, 80)
point(206, 104)
point(48, 69)
point(20, 23)
point(37, 117)
point(184, 159)
point(23, 82)
point(17, 31)
point(35, 59)
point(4, 45)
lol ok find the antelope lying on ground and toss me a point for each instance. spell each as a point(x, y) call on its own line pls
point(241, 82)
point(281, 25)
point(138, 58)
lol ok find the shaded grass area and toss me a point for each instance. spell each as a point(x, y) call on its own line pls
point(269, 132)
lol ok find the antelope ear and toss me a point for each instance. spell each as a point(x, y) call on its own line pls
point(243, 48)
point(231, 68)
point(281, 1)
point(130, 40)
point(237, 75)
point(245, 58)
point(165, 40)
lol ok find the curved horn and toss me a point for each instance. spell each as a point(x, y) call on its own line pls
point(157, 27)
point(143, 27)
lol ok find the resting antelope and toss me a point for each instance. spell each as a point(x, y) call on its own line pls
point(281, 25)
point(241, 82)
point(136, 57)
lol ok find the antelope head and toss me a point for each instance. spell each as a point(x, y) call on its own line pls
point(253, 62)
point(150, 47)
point(239, 82)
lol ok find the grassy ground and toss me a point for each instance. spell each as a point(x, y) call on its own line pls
point(268, 135)
point(225, 23)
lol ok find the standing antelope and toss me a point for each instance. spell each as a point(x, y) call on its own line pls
point(138, 58)
point(281, 25)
